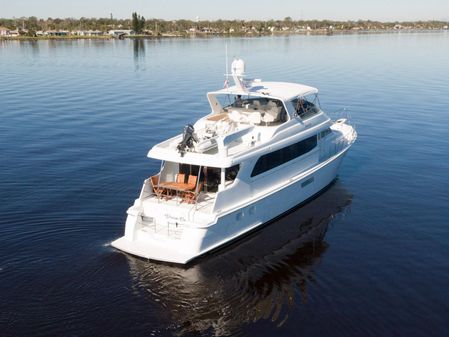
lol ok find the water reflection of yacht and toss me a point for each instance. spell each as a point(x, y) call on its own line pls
point(264, 148)
point(261, 278)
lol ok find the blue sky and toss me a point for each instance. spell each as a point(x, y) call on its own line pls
point(383, 10)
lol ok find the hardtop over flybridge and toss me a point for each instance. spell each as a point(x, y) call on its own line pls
point(264, 148)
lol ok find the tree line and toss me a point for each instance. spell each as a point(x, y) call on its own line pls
point(140, 24)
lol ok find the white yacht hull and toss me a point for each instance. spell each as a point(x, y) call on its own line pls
point(182, 242)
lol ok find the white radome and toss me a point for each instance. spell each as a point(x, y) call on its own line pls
point(238, 67)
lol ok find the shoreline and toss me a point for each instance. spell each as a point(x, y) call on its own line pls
point(229, 35)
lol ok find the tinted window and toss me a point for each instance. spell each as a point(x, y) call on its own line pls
point(305, 108)
point(276, 158)
point(231, 172)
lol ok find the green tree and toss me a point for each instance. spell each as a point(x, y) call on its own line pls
point(138, 23)
point(32, 23)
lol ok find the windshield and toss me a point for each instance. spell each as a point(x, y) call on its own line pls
point(307, 106)
point(234, 101)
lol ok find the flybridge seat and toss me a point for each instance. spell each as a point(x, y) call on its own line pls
point(256, 113)
point(272, 112)
point(245, 117)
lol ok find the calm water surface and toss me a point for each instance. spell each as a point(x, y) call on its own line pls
point(368, 257)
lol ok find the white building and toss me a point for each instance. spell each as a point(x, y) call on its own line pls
point(120, 32)
point(14, 32)
point(88, 33)
point(4, 31)
point(57, 33)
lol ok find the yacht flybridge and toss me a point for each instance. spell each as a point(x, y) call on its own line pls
point(264, 148)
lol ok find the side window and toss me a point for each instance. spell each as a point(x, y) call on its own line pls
point(276, 158)
point(231, 172)
point(211, 176)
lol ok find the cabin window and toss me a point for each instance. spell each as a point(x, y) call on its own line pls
point(277, 158)
point(307, 107)
point(231, 172)
point(187, 169)
point(212, 177)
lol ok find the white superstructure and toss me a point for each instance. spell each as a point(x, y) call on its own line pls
point(264, 148)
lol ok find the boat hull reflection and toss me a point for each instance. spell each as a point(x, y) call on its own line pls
point(260, 278)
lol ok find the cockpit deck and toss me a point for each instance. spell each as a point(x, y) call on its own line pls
point(204, 203)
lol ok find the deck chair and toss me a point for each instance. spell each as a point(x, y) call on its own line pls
point(180, 178)
point(158, 191)
point(191, 185)
point(192, 182)
point(191, 196)
point(271, 113)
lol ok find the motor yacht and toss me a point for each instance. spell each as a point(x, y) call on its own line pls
point(264, 148)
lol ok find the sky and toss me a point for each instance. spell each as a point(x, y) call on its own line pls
point(381, 10)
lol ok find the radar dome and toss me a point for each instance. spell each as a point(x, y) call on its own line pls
point(238, 67)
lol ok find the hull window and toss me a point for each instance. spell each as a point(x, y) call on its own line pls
point(307, 182)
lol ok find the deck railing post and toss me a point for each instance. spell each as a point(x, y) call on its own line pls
point(159, 178)
point(222, 178)
point(198, 182)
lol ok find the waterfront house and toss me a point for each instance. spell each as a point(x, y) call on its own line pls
point(57, 33)
point(87, 33)
point(14, 32)
point(209, 30)
point(94, 33)
point(120, 32)
point(4, 31)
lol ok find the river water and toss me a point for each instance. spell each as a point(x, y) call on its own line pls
point(368, 257)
